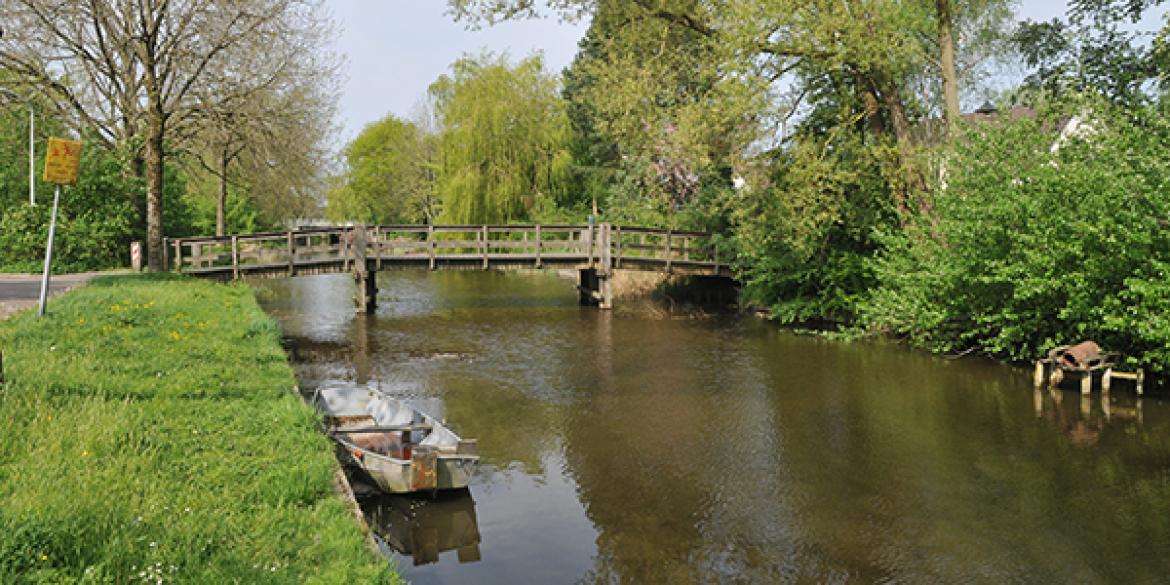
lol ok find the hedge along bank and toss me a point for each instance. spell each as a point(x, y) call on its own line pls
point(151, 435)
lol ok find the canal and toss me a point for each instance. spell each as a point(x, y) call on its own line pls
point(635, 446)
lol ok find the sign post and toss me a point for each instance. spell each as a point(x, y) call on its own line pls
point(62, 158)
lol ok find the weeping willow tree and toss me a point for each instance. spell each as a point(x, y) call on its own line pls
point(503, 146)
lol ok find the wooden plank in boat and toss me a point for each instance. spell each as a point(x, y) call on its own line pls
point(384, 429)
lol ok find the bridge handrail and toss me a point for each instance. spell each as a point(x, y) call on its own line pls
point(596, 244)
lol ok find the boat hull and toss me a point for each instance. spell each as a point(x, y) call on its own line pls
point(402, 476)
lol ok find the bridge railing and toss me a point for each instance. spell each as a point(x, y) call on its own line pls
point(332, 249)
point(456, 242)
point(669, 247)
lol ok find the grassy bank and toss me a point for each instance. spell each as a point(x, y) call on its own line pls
point(151, 436)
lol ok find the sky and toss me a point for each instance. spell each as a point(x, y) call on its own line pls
point(395, 49)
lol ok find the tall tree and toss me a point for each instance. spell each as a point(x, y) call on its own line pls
point(646, 100)
point(273, 147)
point(944, 10)
point(388, 176)
point(133, 69)
point(503, 144)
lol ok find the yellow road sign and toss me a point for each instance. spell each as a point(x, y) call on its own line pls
point(61, 161)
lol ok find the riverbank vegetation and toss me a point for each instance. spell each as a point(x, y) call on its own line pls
point(152, 436)
point(828, 147)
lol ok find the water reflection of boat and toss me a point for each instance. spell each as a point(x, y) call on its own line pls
point(401, 449)
point(421, 527)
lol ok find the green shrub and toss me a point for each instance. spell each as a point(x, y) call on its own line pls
point(1032, 248)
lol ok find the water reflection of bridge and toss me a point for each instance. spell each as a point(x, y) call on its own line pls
point(596, 251)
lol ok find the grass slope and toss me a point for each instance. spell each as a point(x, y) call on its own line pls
point(151, 436)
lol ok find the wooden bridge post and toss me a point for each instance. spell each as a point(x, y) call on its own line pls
point(618, 259)
point(594, 283)
point(292, 255)
point(179, 255)
point(587, 234)
point(669, 250)
point(431, 241)
point(715, 257)
point(483, 245)
point(235, 257)
point(366, 294)
point(605, 273)
point(378, 237)
point(539, 245)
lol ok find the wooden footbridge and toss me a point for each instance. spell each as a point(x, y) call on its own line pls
point(596, 251)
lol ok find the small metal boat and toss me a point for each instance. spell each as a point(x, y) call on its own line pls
point(400, 448)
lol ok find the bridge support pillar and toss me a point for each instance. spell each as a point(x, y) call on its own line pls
point(595, 288)
point(365, 294)
point(366, 291)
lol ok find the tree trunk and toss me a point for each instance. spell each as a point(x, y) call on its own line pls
point(914, 184)
point(869, 100)
point(221, 201)
point(950, 79)
point(154, 188)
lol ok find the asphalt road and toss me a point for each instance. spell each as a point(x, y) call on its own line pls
point(21, 291)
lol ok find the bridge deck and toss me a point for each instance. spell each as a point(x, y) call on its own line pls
point(330, 250)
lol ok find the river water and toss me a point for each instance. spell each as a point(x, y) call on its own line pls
point(636, 447)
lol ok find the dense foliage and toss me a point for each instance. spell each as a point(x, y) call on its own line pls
point(1031, 248)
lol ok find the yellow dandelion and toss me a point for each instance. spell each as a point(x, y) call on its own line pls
point(44, 557)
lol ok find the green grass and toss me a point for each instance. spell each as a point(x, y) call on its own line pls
point(150, 436)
